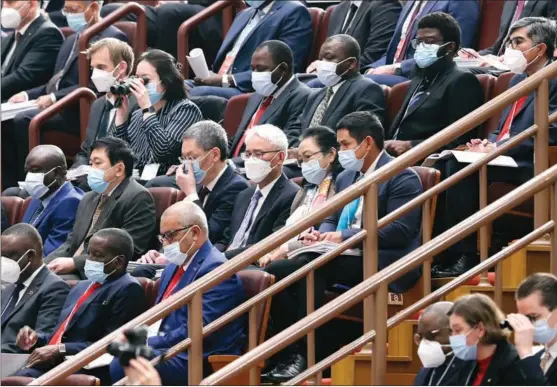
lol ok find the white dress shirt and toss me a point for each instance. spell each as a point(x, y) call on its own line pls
point(27, 282)
point(357, 4)
point(264, 193)
point(357, 223)
point(193, 197)
point(335, 89)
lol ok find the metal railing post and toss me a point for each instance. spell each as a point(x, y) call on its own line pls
point(195, 332)
point(370, 252)
point(541, 150)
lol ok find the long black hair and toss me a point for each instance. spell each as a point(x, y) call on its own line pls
point(325, 138)
point(166, 67)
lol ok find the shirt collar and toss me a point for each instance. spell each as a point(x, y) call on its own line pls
point(267, 8)
point(24, 29)
point(553, 351)
point(265, 191)
point(279, 91)
point(214, 182)
point(356, 3)
point(45, 201)
point(374, 164)
point(113, 189)
point(338, 86)
point(28, 281)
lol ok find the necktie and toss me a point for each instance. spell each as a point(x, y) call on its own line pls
point(12, 303)
point(38, 211)
point(242, 235)
point(351, 13)
point(173, 283)
point(52, 84)
point(505, 131)
point(105, 123)
point(96, 216)
point(254, 121)
point(407, 35)
point(517, 12)
point(57, 336)
point(321, 108)
point(419, 93)
point(545, 359)
point(7, 62)
point(202, 194)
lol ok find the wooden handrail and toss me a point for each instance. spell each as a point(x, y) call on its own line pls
point(83, 93)
point(95, 29)
point(385, 276)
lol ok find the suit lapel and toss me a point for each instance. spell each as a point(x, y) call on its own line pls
point(508, 13)
point(111, 202)
point(217, 189)
point(269, 200)
point(232, 35)
point(276, 6)
point(96, 116)
point(272, 109)
point(87, 218)
point(337, 18)
point(430, 90)
point(528, 8)
point(85, 304)
point(339, 95)
point(6, 295)
point(25, 40)
point(32, 289)
point(362, 9)
point(7, 44)
point(552, 371)
point(64, 191)
point(193, 268)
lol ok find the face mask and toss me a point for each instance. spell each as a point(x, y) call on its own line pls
point(349, 161)
point(198, 173)
point(515, 60)
point(154, 95)
point(262, 82)
point(94, 271)
point(77, 21)
point(256, 169)
point(327, 72)
point(10, 17)
point(96, 181)
point(103, 80)
point(461, 349)
point(11, 270)
point(431, 353)
point(426, 55)
point(173, 253)
point(313, 172)
point(543, 333)
point(34, 184)
point(255, 3)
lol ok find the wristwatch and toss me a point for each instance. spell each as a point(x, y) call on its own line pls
point(150, 109)
point(62, 349)
point(225, 82)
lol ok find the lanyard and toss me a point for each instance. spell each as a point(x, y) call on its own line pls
point(444, 373)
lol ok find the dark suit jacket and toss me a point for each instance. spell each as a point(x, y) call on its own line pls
point(53, 5)
point(288, 21)
point(130, 207)
point(401, 236)
point(56, 221)
point(453, 94)
point(112, 305)
point(466, 13)
point(32, 63)
point(272, 216)
point(534, 367)
point(39, 307)
point(5, 221)
point(523, 153)
point(543, 8)
point(372, 26)
point(440, 375)
point(70, 79)
point(282, 113)
point(216, 302)
point(356, 94)
point(220, 202)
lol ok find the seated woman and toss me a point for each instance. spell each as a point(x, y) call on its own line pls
point(155, 130)
point(488, 359)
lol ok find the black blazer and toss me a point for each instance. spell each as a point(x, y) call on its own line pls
point(356, 94)
point(440, 375)
point(53, 5)
point(543, 8)
point(130, 207)
point(32, 63)
point(453, 94)
point(38, 308)
point(271, 217)
point(282, 113)
point(373, 26)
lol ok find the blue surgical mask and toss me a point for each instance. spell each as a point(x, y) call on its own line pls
point(313, 172)
point(76, 21)
point(173, 253)
point(95, 179)
point(94, 270)
point(426, 55)
point(461, 349)
point(255, 3)
point(154, 95)
point(199, 173)
point(543, 333)
point(349, 161)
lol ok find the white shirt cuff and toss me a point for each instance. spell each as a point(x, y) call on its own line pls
point(26, 96)
point(191, 198)
point(53, 97)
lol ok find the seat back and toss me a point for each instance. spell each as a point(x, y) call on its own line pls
point(488, 83)
point(164, 197)
point(429, 177)
point(233, 113)
point(323, 29)
point(490, 20)
point(129, 28)
point(13, 206)
point(396, 96)
point(26, 204)
point(499, 87)
point(151, 289)
point(67, 31)
point(254, 282)
point(212, 107)
point(317, 15)
point(72, 380)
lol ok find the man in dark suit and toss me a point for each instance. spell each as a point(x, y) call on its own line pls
point(116, 201)
point(29, 53)
point(54, 200)
point(288, 21)
point(184, 225)
point(440, 93)
point(278, 101)
point(37, 297)
point(462, 200)
point(53, 9)
point(261, 209)
point(397, 64)
point(94, 308)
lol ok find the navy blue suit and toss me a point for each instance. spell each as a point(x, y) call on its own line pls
point(174, 327)
point(56, 221)
point(443, 375)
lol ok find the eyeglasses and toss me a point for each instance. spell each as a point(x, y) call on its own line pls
point(416, 42)
point(307, 159)
point(515, 42)
point(167, 236)
point(257, 154)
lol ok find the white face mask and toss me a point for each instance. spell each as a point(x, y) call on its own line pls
point(173, 253)
point(257, 169)
point(11, 17)
point(103, 79)
point(10, 269)
point(515, 60)
point(327, 72)
point(431, 353)
point(262, 82)
point(34, 184)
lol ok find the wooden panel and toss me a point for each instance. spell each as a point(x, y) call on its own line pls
point(514, 269)
point(400, 340)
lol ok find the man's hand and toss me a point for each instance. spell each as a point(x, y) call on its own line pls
point(523, 334)
point(172, 170)
point(149, 257)
point(468, 53)
point(142, 373)
point(312, 67)
point(398, 147)
point(385, 70)
point(26, 338)
point(335, 237)
point(186, 181)
point(310, 237)
point(62, 265)
point(213, 80)
point(277, 254)
point(18, 98)
point(480, 146)
point(42, 355)
point(122, 111)
point(44, 101)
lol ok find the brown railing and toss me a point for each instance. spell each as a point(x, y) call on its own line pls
point(374, 305)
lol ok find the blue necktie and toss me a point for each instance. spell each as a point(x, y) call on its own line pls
point(12, 303)
point(242, 235)
point(347, 215)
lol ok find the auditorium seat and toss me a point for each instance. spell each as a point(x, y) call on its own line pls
point(26, 204)
point(164, 197)
point(323, 29)
point(499, 87)
point(233, 113)
point(490, 20)
point(67, 31)
point(151, 288)
point(72, 380)
point(13, 206)
point(317, 15)
point(395, 99)
point(488, 83)
point(129, 28)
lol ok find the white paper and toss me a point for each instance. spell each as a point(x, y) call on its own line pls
point(198, 63)
point(468, 158)
point(153, 329)
point(321, 248)
point(150, 171)
point(101, 361)
point(10, 110)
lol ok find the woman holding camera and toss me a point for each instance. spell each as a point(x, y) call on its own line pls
point(155, 130)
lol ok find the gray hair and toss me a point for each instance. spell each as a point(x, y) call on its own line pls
point(269, 133)
point(208, 135)
point(190, 214)
point(540, 30)
point(439, 312)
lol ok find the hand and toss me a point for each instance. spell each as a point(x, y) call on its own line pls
point(149, 257)
point(44, 101)
point(398, 147)
point(18, 98)
point(523, 334)
point(277, 254)
point(310, 237)
point(172, 170)
point(483, 147)
point(26, 338)
point(293, 153)
point(62, 265)
point(386, 70)
point(468, 53)
point(44, 354)
point(139, 91)
point(312, 67)
point(122, 112)
point(161, 260)
point(335, 237)
point(370, 71)
point(213, 80)
point(186, 181)
point(142, 373)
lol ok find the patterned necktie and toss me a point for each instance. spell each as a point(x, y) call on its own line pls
point(404, 42)
point(96, 216)
point(52, 84)
point(242, 235)
point(321, 108)
point(12, 303)
point(38, 212)
point(545, 359)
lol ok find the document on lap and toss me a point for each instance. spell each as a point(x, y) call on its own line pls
point(468, 158)
point(321, 248)
point(10, 110)
point(11, 363)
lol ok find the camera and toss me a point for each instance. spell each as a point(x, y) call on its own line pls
point(124, 88)
point(136, 346)
point(506, 325)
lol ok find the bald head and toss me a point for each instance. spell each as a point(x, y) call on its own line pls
point(434, 322)
point(50, 160)
point(184, 223)
point(184, 214)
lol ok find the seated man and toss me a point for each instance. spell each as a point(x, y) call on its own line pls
point(360, 136)
point(54, 200)
point(116, 201)
point(94, 308)
point(36, 299)
point(440, 93)
point(279, 97)
point(397, 64)
point(261, 209)
point(288, 21)
point(462, 199)
point(184, 234)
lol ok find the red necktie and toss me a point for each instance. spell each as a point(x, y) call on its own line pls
point(403, 44)
point(173, 282)
point(254, 121)
point(57, 336)
point(509, 121)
